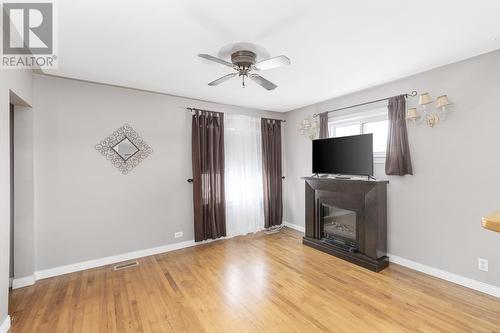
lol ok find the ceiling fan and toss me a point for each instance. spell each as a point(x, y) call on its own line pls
point(244, 63)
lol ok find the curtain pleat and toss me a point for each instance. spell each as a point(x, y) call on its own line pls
point(323, 125)
point(398, 160)
point(208, 175)
point(272, 172)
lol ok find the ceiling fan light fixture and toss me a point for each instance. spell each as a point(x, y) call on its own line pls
point(244, 62)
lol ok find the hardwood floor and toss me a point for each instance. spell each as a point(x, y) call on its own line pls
point(255, 283)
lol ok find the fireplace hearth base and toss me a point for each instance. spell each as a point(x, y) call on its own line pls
point(357, 258)
point(347, 218)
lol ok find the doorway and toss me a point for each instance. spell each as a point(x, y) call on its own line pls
point(22, 226)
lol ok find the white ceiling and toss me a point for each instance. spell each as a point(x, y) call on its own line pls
point(336, 47)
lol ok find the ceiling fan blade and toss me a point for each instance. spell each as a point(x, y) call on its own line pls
point(215, 59)
point(263, 82)
point(275, 62)
point(222, 79)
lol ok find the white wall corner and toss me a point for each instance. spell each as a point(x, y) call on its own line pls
point(4, 327)
point(295, 226)
point(451, 277)
point(23, 282)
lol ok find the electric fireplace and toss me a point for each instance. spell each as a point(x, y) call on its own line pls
point(348, 219)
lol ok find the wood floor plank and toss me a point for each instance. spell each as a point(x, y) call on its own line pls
point(255, 283)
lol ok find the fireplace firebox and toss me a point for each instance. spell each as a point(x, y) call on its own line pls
point(348, 218)
point(339, 226)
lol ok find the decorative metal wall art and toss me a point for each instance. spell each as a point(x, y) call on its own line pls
point(124, 148)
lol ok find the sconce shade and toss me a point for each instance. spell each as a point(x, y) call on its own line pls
point(424, 99)
point(442, 101)
point(412, 114)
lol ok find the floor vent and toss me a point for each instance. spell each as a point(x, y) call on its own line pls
point(126, 265)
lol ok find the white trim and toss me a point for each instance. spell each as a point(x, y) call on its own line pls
point(295, 226)
point(23, 282)
point(356, 115)
point(80, 266)
point(451, 277)
point(4, 328)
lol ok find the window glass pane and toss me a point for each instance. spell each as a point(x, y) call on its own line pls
point(380, 129)
point(347, 130)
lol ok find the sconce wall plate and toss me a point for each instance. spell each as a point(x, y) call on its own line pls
point(432, 120)
point(124, 148)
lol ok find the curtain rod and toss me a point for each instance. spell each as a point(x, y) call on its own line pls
point(193, 109)
point(412, 94)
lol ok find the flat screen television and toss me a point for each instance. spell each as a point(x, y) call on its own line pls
point(348, 155)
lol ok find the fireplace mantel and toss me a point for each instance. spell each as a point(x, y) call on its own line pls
point(368, 199)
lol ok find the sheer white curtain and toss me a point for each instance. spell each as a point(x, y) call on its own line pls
point(243, 174)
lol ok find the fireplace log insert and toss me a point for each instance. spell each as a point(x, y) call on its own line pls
point(348, 219)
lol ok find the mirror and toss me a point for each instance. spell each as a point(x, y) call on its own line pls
point(125, 148)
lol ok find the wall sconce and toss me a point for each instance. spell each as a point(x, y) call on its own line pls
point(443, 102)
point(309, 128)
point(432, 116)
point(413, 115)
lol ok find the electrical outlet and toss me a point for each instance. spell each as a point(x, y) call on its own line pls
point(482, 264)
point(178, 234)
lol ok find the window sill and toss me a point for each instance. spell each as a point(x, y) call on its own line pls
point(379, 160)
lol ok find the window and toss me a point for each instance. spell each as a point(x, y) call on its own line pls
point(373, 121)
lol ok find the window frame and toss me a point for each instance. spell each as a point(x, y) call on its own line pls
point(360, 118)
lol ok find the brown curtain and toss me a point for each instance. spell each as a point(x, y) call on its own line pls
point(323, 125)
point(208, 175)
point(271, 172)
point(398, 160)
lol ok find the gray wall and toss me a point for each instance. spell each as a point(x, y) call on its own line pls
point(434, 216)
point(85, 208)
point(19, 83)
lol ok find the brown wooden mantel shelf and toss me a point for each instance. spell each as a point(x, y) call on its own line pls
point(492, 221)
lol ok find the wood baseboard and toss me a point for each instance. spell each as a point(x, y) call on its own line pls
point(295, 226)
point(23, 282)
point(448, 276)
point(5, 326)
point(80, 266)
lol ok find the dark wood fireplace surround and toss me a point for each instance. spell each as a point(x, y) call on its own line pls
point(368, 198)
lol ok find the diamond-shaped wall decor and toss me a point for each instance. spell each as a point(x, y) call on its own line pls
point(125, 149)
